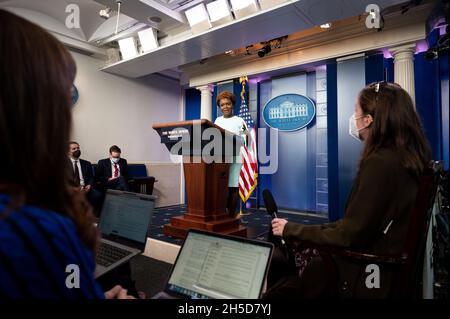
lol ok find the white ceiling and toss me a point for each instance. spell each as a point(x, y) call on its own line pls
point(290, 17)
point(180, 46)
point(143, 10)
point(56, 9)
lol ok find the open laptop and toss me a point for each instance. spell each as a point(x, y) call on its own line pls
point(124, 222)
point(215, 266)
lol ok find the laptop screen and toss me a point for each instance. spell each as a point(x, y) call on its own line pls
point(217, 266)
point(126, 215)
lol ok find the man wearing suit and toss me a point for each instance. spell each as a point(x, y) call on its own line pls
point(83, 175)
point(112, 172)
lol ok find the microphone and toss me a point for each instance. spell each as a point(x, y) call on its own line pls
point(271, 207)
point(270, 204)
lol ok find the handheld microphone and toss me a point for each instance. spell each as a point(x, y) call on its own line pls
point(271, 207)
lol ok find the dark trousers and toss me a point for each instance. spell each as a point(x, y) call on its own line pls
point(284, 280)
point(118, 183)
point(232, 200)
point(95, 198)
point(314, 283)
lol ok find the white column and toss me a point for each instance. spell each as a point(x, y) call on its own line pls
point(404, 67)
point(206, 101)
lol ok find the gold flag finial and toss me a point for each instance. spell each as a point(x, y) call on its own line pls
point(243, 79)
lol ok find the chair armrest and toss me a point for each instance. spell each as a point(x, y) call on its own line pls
point(142, 184)
point(143, 178)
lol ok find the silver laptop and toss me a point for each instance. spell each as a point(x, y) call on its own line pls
point(215, 266)
point(124, 223)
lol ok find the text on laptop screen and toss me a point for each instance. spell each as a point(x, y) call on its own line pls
point(126, 215)
point(214, 267)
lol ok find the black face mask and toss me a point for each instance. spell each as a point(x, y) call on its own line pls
point(76, 154)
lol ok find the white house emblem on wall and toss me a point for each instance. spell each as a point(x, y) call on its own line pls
point(289, 112)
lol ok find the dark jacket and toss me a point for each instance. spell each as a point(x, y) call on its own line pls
point(376, 219)
point(104, 171)
point(86, 170)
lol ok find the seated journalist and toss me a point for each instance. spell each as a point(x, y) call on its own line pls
point(46, 224)
point(112, 172)
point(384, 191)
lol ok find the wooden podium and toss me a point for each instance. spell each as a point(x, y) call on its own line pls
point(206, 176)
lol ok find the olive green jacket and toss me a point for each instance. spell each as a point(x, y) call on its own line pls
point(376, 220)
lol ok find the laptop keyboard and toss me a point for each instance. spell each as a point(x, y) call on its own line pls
point(108, 254)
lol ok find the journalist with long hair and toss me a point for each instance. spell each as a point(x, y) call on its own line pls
point(383, 193)
point(47, 228)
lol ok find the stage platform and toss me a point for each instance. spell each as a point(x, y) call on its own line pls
point(256, 221)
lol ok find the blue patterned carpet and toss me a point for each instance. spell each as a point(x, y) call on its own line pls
point(257, 222)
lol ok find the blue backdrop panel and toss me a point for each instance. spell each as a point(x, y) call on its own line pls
point(192, 104)
point(215, 108)
point(350, 80)
point(426, 76)
point(311, 148)
point(389, 65)
point(443, 66)
point(294, 182)
point(264, 180)
point(374, 68)
point(333, 165)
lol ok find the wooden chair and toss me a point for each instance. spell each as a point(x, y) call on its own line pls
point(408, 265)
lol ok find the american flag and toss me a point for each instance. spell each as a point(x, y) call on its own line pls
point(249, 171)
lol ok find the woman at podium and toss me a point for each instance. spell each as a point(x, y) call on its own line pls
point(235, 125)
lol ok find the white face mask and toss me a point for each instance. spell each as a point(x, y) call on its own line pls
point(115, 159)
point(353, 130)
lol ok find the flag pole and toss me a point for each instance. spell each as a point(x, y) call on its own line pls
point(242, 80)
point(241, 213)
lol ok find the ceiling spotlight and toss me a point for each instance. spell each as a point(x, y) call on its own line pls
point(325, 25)
point(431, 54)
point(154, 19)
point(105, 13)
point(265, 50)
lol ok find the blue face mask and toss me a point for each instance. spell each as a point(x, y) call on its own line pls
point(115, 160)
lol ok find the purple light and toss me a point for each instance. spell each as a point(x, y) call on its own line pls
point(421, 46)
point(321, 67)
point(442, 30)
point(254, 80)
point(248, 205)
point(258, 78)
point(387, 54)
